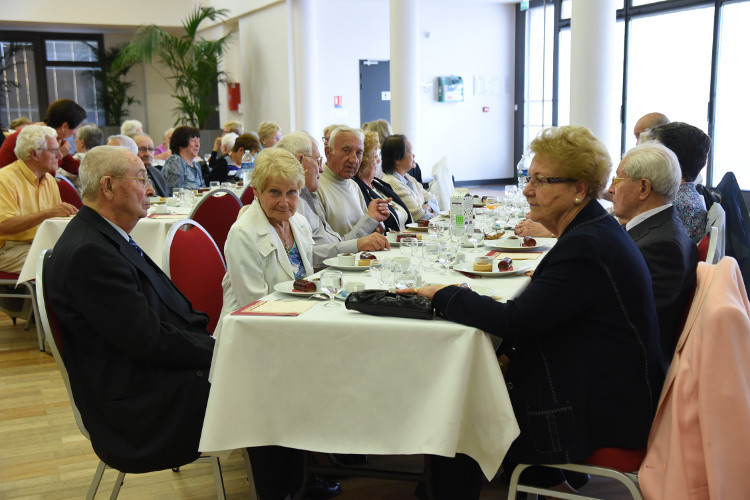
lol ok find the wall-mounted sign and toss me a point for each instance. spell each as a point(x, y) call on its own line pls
point(337, 101)
point(450, 89)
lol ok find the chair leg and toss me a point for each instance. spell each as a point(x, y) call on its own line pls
point(35, 311)
point(96, 480)
point(118, 485)
point(250, 477)
point(218, 478)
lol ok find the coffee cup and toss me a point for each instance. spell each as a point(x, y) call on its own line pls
point(345, 259)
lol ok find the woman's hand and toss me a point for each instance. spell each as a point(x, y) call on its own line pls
point(530, 228)
point(428, 291)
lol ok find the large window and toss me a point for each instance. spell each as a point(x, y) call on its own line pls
point(667, 53)
point(42, 68)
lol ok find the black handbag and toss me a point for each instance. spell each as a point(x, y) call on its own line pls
point(385, 303)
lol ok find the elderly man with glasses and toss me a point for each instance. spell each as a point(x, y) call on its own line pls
point(29, 194)
point(136, 351)
point(146, 154)
point(643, 190)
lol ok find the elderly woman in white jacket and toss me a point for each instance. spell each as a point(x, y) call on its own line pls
point(270, 243)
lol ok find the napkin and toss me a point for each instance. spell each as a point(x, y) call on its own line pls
point(166, 216)
point(275, 308)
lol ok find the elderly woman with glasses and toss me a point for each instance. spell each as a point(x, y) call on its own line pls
point(373, 187)
point(270, 242)
point(583, 367)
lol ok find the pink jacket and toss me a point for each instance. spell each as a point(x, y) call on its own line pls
point(700, 438)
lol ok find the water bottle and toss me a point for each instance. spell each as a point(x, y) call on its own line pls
point(248, 164)
point(522, 171)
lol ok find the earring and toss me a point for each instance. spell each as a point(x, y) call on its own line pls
point(578, 201)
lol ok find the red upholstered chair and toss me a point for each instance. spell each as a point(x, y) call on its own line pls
point(216, 212)
point(193, 262)
point(248, 195)
point(54, 339)
point(68, 192)
point(23, 291)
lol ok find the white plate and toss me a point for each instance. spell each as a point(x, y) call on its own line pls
point(333, 262)
point(444, 213)
point(469, 268)
point(416, 227)
point(392, 239)
point(288, 287)
point(512, 244)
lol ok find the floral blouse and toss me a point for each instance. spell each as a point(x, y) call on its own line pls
point(691, 207)
point(180, 174)
point(295, 259)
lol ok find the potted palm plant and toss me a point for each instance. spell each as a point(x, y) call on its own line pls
point(113, 96)
point(193, 63)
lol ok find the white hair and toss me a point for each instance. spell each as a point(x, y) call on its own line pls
point(658, 164)
point(228, 140)
point(99, 162)
point(131, 128)
point(124, 141)
point(32, 137)
point(340, 130)
point(296, 143)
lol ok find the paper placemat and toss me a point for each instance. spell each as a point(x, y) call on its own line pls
point(514, 255)
point(275, 308)
point(167, 216)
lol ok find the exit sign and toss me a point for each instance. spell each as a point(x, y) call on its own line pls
point(524, 4)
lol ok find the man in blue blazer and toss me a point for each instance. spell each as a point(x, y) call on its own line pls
point(643, 189)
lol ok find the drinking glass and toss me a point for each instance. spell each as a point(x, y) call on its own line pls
point(406, 246)
point(475, 236)
point(331, 283)
point(491, 202)
point(430, 253)
point(177, 194)
point(408, 278)
point(386, 273)
point(214, 184)
point(376, 271)
point(435, 229)
point(447, 255)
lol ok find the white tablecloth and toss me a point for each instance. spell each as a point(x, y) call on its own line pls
point(149, 233)
point(337, 381)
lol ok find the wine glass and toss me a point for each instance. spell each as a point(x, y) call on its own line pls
point(447, 253)
point(331, 283)
point(435, 229)
point(430, 252)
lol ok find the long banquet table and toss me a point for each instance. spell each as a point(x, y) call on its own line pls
point(150, 233)
point(338, 381)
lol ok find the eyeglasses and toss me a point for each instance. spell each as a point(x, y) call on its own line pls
point(615, 180)
point(318, 159)
point(145, 181)
point(55, 151)
point(143, 149)
point(539, 180)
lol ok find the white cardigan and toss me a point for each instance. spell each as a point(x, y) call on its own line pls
point(256, 259)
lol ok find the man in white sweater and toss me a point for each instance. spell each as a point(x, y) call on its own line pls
point(328, 243)
point(341, 199)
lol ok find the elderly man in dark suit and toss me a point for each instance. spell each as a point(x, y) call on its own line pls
point(146, 154)
point(137, 353)
point(643, 190)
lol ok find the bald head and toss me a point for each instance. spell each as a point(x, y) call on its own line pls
point(649, 121)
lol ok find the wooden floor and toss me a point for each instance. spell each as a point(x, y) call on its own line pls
point(44, 456)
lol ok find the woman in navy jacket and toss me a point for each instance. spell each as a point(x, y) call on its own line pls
point(582, 338)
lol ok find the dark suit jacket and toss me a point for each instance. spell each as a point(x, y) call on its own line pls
point(137, 353)
point(585, 369)
point(672, 259)
point(220, 171)
point(392, 221)
point(158, 181)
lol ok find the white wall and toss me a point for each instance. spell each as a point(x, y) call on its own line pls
point(475, 40)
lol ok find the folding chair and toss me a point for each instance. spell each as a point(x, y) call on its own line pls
point(27, 292)
point(216, 212)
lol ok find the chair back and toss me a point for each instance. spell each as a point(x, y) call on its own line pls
point(713, 242)
point(193, 262)
point(216, 212)
point(442, 184)
point(248, 195)
point(68, 192)
point(52, 333)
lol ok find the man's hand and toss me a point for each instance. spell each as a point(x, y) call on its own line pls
point(64, 147)
point(372, 243)
point(378, 209)
point(63, 210)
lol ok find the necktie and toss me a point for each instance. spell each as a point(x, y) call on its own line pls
point(135, 245)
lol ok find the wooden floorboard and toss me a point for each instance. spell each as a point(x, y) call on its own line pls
point(43, 455)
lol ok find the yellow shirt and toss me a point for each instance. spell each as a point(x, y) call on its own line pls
point(21, 193)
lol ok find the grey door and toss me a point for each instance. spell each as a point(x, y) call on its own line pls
point(374, 90)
